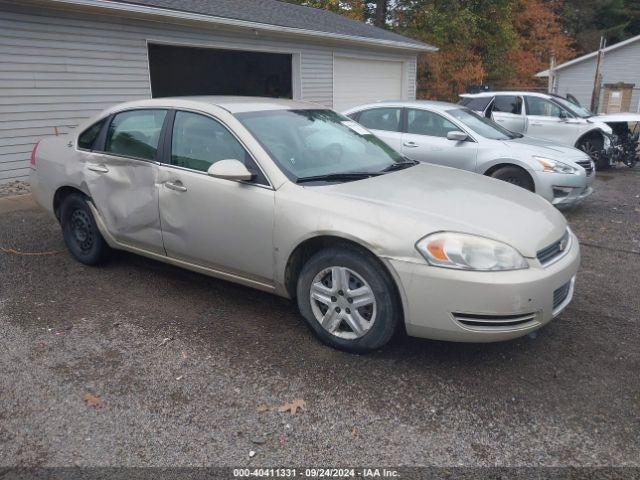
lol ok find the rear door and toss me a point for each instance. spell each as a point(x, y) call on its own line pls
point(121, 175)
point(507, 111)
point(385, 123)
point(426, 140)
point(220, 224)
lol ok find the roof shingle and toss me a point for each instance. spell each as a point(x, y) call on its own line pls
point(279, 13)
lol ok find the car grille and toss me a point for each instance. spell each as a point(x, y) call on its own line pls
point(494, 321)
point(587, 165)
point(554, 251)
point(560, 294)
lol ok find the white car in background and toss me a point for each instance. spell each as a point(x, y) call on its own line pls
point(544, 116)
point(454, 136)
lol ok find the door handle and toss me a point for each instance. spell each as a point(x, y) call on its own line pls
point(537, 124)
point(177, 186)
point(499, 120)
point(410, 144)
point(97, 168)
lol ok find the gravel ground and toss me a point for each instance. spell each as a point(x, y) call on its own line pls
point(138, 363)
point(17, 187)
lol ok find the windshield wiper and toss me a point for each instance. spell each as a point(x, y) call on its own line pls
point(400, 165)
point(345, 176)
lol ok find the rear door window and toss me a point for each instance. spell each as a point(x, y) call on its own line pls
point(479, 104)
point(387, 119)
point(135, 133)
point(508, 104)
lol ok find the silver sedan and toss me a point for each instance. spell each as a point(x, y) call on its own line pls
point(300, 201)
point(454, 136)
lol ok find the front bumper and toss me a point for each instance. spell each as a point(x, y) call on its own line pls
point(562, 189)
point(464, 306)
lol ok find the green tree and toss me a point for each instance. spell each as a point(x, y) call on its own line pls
point(588, 20)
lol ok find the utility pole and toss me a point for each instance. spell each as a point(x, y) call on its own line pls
point(597, 80)
point(551, 87)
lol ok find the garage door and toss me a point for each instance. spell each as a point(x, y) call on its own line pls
point(179, 71)
point(358, 81)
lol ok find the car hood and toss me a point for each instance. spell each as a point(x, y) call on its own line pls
point(545, 148)
point(427, 198)
point(617, 117)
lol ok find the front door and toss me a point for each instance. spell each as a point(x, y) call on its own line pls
point(548, 120)
point(215, 223)
point(426, 140)
point(121, 176)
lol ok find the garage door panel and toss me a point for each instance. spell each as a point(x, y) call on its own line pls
point(358, 81)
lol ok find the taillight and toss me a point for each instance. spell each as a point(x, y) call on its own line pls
point(33, 154)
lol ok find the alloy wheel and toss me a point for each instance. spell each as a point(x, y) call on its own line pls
point(590, 149)
point(343, 302)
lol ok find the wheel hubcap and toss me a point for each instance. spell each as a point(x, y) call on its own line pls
point(82, 230)
point(343, 302)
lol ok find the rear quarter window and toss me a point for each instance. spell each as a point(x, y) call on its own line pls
point(87, 139)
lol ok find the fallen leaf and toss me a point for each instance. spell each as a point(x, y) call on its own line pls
point(354, 432)
point(293, 406)
point(262, 408)
point(93, 401)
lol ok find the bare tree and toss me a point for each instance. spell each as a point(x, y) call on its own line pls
point(380, 18)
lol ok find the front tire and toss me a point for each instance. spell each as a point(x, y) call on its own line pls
point(80, 232)
point(515, 176)
point(348, 300)
point(593, 146)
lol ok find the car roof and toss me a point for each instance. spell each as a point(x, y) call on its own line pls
point(431, 104)
point(233, 104)
point(504, 92)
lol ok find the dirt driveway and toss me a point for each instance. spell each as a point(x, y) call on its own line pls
point(139, 363)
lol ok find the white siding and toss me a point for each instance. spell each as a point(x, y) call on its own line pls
point(58, 68)
point(620, 65)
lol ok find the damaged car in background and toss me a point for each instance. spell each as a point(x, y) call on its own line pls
point(454, 136)
point(297, 200)
point(546, 116)
point(626, 132)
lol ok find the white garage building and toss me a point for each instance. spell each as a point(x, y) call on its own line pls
point(62, 61)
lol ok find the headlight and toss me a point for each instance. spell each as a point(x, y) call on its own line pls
point(554, 166)
point(469, 252)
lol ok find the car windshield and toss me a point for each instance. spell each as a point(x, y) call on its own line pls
point(577, 110)
point(316, 143)
point(481, 125)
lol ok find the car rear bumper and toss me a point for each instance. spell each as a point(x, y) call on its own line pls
point(466, 306)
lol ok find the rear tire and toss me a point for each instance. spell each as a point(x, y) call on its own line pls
point(515, 176)
point(348, 300)
point(80, 232)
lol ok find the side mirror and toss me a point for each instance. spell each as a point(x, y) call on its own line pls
point(229, 170)
point(457, 136)
point(563, 115)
